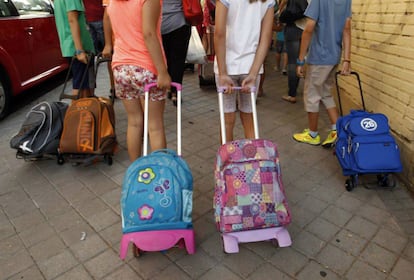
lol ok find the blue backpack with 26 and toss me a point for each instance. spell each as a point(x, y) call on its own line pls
point(365, 144)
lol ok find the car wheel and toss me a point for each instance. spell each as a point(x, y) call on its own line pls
point(5, 95)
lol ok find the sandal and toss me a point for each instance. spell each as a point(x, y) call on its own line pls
point(289, 98)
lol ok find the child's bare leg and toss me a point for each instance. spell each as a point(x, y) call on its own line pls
point(278, 59)
point(313, 121)
point(156, 129)
point(135, 128)
point(230, 120)
point(247, 122)
point(111, 77)
point(333, 115)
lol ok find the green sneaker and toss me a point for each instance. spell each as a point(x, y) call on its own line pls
point(305, 137)
point(330, 140)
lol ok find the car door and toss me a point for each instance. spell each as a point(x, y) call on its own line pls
point(39, 23)
point(15, 50)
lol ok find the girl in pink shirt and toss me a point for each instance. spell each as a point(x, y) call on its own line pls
point(138, 59)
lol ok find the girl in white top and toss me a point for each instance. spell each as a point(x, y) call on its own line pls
point(243, 33)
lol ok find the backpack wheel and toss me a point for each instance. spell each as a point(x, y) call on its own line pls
point(137, 252)
point(382, 180)
point(386, 180)
point(60, 160)
point(349, 184)
point(108, 159)
point(222, 246)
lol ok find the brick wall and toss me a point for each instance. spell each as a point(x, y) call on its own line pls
point(383, 55)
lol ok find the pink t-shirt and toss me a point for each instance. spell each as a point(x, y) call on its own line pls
point(129, 46)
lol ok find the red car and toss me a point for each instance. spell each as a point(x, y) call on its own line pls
point(29, 47)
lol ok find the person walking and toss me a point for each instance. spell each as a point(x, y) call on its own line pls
point(76, 43)
point(138, 60)
point(175, 37)
point(280, 45)
point(293, 33)
point(94, 11)
point(327, 35)
point(243, 32)
point(94, 18)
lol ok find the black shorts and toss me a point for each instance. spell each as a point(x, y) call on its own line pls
point(80, 79)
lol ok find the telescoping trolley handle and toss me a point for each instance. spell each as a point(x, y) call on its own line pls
point(220, 91)
point(98, 61)
point(146, 105)
point(339, 94)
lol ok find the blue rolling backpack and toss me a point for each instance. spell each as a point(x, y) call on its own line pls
point(157, 193)
point(156, 198)
point(365, 145)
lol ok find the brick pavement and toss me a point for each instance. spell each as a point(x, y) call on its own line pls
point(45, 208)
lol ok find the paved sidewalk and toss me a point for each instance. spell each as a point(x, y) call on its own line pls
point(46, 208)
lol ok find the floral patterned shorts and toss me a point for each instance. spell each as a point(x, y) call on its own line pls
point(130, 82)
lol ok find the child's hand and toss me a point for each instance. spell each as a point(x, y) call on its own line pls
point(164, 81)
point(107, 51)
point(248, 83)
point(83, 57)
point(346, 68)
point(227, 82)
point(300, 72)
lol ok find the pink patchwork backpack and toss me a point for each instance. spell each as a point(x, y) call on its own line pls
point(249, 192)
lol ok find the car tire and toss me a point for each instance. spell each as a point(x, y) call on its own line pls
point(5, 95)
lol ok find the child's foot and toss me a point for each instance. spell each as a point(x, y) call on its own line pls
point(289, 98)
point(330, 140)
point(305, 137)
